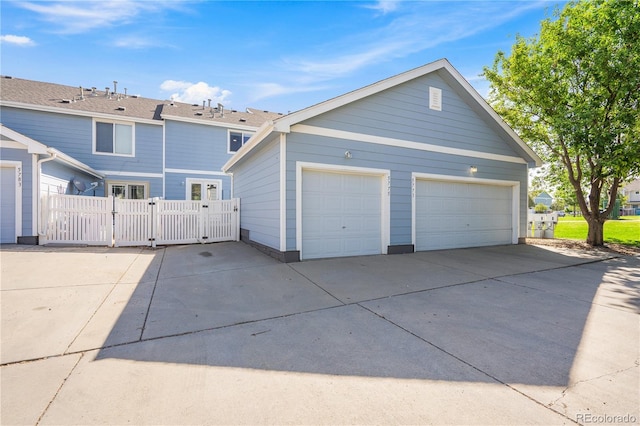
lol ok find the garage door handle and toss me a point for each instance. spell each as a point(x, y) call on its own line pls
point(344, 227)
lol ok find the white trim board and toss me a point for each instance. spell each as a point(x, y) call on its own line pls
point(283, 192)
point(132, 174)
point(17, 165)
point(196, 172)
point(384, 174)
point(515, 198)
point(380, 140)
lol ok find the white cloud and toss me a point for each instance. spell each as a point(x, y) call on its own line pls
point(138, 42)
point(261, 91)
point(73, 17)
point(420, 26)
point(184, 91)
point(17, 40)
point(384, 6)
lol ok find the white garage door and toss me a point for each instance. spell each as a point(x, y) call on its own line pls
point(341, 214)
point(456, 215)
point(8, 205)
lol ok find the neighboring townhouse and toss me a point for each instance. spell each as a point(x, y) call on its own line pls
point(136, 147)
point(543, 198)
point(631, 191)
point(418, 161)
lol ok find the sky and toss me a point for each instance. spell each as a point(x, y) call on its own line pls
point(276, 56)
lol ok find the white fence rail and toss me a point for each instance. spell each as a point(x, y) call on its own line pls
point(117, 222)
point(80, 220)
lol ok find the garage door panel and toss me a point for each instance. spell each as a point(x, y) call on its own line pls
point(456, 215)
point(341, 214)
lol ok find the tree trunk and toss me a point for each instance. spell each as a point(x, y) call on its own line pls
point(595, 236)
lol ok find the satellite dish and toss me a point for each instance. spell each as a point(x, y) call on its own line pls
point(78, 185)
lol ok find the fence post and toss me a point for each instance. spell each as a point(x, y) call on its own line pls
point(110, 225)
point(153, 226)
point(236, 218)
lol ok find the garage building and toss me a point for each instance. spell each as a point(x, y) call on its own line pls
point(418, 161)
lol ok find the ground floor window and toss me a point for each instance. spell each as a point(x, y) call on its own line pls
point(128, 190)
point(203, 189)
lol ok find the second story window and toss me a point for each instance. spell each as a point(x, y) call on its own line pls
point(237, 139)
point(114, 138)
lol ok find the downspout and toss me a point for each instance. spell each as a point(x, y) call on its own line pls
point(52, 157)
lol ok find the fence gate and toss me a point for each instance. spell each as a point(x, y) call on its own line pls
point(118, 222)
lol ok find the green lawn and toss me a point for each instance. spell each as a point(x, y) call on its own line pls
point(623, 231)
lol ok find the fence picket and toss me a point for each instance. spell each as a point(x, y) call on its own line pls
point(108, 221)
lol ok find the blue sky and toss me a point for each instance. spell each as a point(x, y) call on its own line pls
point(277, 56)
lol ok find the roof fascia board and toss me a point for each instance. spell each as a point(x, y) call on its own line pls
point(208, 123)
point(284, 124)
point(33, 146)
point(494, 115)
point(61, 156)
point(91, 114)
point(262, 133)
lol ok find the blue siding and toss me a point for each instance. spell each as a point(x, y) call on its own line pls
point(402, 112)
point(402, 162)
point(66, 173)
point(73, 135)
point(195, 146)
point(257, 184)
point(22, 155)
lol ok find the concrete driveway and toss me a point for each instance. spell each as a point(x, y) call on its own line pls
point(222, 334)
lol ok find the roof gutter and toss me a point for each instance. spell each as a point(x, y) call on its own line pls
point(60, 156)
point(261, 134)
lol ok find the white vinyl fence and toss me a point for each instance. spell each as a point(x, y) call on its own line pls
point(116, 222)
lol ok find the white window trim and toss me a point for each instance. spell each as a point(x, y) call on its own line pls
point(111, 154)
point(385, 188)
point(515, 198)
point(17, 165)
point(108, 183)
point(189, 181)
point(229, 131)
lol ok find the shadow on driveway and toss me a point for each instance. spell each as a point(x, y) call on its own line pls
point(512, 314)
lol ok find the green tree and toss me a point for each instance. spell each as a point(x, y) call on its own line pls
point(572, 92)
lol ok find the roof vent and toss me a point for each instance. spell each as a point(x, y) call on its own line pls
point(81, 93)
point(8, 77)
point(243, 120)
point(198, 112)
point(106, 92)
point(121, 108)
point(221, 109)
point(66, 101)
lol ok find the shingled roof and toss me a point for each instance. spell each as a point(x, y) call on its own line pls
point(21, 93)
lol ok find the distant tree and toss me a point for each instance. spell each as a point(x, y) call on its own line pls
point(540, 208)
point(573, 93)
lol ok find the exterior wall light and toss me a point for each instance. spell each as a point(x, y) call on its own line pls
point(473, 169)
point(347, 154)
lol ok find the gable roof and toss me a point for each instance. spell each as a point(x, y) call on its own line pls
point(442, 67)
point(34, 147)
point(89, 101)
